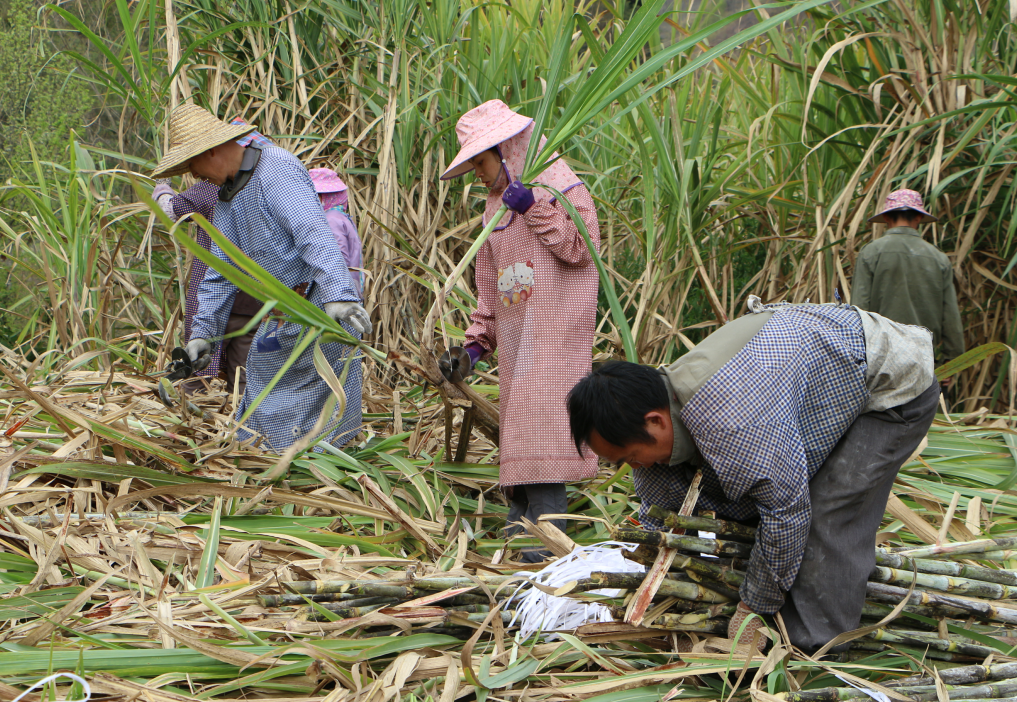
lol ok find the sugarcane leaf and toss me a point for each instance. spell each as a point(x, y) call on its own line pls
point(253, 679)
point(559, 55)
point(414, 476)
point(1009, 481)
point(37, 604)
point(114, 473)
point(209, 554)
point(509, 676)
point(398, 644)
point(969, 358)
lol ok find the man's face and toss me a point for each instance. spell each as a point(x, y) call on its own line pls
point(212, 165)
point(640, 454)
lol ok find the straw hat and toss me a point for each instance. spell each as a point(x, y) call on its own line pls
point(903, 200)
point(483, 128)
point(194, 130)
point(326, 180)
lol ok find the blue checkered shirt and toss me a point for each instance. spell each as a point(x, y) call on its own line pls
point(764, 423)
point(277, 219)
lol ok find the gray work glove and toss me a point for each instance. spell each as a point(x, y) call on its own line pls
point(353, 313)
point(200, 353)
point(163, 194)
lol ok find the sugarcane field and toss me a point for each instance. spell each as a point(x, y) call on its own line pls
point(511, 351)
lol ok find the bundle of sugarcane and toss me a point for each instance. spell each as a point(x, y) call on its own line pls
point(701, 590)
point(944, 589)
point(450, 601)
point(972, 682)
point(423, 601)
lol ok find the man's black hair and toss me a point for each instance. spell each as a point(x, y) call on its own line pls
point(614, 400)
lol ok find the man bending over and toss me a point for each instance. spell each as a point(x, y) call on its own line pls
point(799, 417)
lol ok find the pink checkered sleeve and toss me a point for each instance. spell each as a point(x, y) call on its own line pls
point(550, 221)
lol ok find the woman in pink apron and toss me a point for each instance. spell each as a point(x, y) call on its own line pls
point(536, 305)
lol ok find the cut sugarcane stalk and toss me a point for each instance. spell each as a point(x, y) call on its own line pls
point(926, 565)
point(693, 544)
point(918, 640)
point(662, 564)
point(964, 547)
point(962, 676)
point(1001, 689)
point(891, 594)
point(720, 527)
point(944, 583)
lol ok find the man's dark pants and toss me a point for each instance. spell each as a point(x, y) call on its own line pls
point(532, 501)
point(849, 494)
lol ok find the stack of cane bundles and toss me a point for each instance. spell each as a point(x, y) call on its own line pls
point(956, 609)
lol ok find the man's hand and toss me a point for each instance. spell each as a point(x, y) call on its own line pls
point(742, 612)
point(455, 364)
point(353, 313)
point(200, 353)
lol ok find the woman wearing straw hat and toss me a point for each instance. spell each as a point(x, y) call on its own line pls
point(231, 355)
point(536, 304)
point(907, 279)
point(268, 208)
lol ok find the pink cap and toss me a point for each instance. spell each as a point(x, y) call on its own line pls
point(483, 128)
point(326, 181)
point(903, 200)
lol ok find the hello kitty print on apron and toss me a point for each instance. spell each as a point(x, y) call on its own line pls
point(515, 283)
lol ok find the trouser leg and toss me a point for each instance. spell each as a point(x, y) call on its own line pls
point(235, 350)
point(848, 496)
point(532, 501)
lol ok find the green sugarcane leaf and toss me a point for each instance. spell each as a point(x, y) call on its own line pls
point(209, 554)
point(1009, 481)
point(252, 680)
point(398, 644)
point(414, 476)
point(37, 604)
point(511, 675)
point(969, 358)
point(114, 473)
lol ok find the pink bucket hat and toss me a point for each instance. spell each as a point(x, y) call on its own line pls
point(903, 200)
point(483, 128)
point(326, 180)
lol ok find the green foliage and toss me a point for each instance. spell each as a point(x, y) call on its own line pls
point(41, 98)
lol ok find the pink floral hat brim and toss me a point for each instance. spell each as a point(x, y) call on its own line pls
point(903, 200)
point(483, 128)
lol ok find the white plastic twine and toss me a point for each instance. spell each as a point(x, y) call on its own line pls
point(54, 676)
point(874, 694)
point(537, 611)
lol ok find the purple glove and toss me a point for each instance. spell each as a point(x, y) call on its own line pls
point(476, 351)
point(163, 187)
point(517, 197)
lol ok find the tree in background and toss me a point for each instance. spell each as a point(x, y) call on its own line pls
point(40, 97)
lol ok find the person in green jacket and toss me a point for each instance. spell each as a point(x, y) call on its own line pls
point(905, 278)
